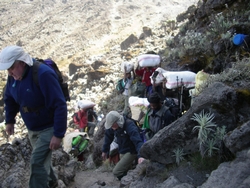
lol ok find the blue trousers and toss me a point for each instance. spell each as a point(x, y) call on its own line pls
point(41, 171)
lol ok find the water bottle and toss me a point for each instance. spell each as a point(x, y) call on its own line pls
point(83, 145)
point(76, 140)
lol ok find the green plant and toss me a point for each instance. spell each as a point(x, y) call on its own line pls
point(205, 124)
point(239, 72)
point(204, 128)
point(220, 133)
point(194, 42)
point(210, 147)
point(179, 155)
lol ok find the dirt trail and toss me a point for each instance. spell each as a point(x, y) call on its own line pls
point(95, 178)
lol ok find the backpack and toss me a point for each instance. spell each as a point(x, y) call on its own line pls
point(141, 131)
point(91, 114)
point(137, 89)
point(53, 66)
point(173, 107)
point(79, 145)
point(120, 86)
point(148, 133)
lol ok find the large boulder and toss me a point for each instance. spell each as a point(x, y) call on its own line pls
point(238, 139)
point(128, 42)
point(231, 174)
point(73, 68)
point(219, 99)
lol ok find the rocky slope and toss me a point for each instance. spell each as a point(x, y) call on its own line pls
point(70, 31)
point(83, 32)
point(218, 98)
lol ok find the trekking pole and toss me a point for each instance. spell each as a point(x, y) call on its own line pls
point(182, 85)
point(178, 93)
point(177, 86)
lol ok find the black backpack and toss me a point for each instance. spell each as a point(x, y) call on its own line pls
point(91, 114)
point(141, 131)
point(173, 107)
point(53, 66)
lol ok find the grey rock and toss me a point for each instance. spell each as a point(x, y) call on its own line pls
point(217, 99)
point(128, 42)
point(231, 174)
point(238, 139)
point(170, 182)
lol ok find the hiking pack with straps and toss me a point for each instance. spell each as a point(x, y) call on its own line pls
point(148, 133)
point(141, 131)
point(173, 107)
point(53, 66)
point(79, 145)
point(91, 114)
point(120, 86)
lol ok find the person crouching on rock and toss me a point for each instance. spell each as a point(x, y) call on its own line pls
point(128, 140)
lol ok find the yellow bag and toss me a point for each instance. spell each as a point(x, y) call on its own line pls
point(200, 78)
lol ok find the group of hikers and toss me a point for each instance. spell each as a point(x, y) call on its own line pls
point(120, 126)
point(42, 105)
point(126, 132)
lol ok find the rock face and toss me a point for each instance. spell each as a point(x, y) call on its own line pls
point(85, 38)
point(15, 164)
point(128, 42)
point(238, 139)
point(219, 99)
point(231, 174)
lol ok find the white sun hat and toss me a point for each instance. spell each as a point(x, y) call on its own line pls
point(12, 53)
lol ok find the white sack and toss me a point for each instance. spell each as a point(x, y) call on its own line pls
point(148, 60)
point(160, 77)
point(129, 66)
point(136, 111)
point(136, 101)
point(187, 78)
point(84, 104)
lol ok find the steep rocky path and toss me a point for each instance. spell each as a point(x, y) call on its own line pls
point(92, 178)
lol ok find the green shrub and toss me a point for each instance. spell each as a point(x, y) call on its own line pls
point(239, 72)
point(204, 163)
point(179, 155)
point(205, 125)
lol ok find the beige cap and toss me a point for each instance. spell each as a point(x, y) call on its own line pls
point(113, 117)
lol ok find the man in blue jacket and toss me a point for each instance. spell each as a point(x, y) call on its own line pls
point(128, 140)
point(43, 109)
